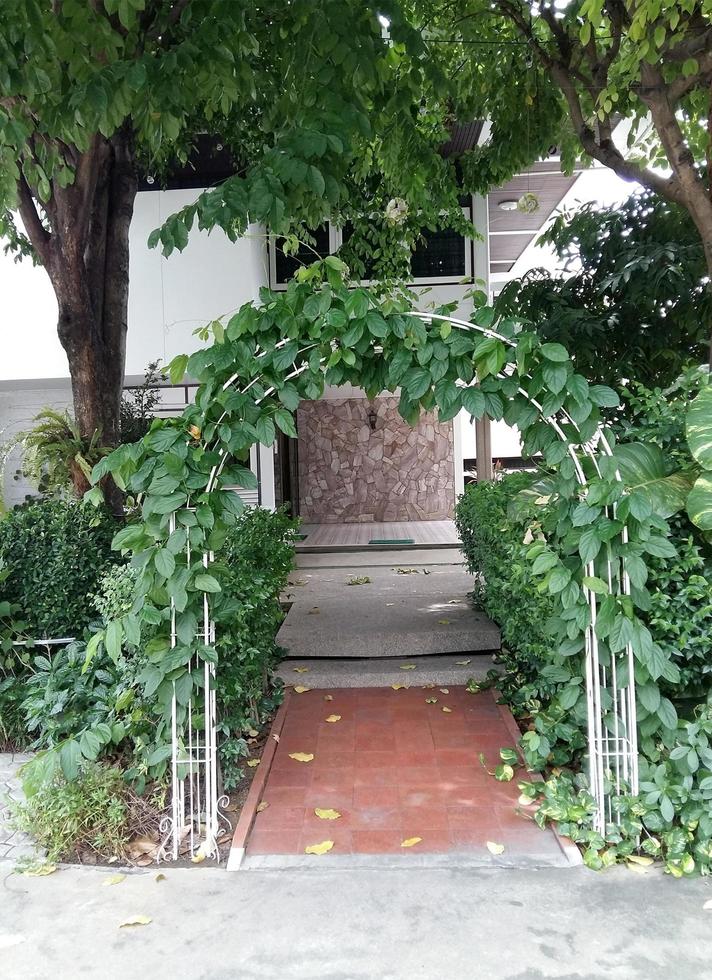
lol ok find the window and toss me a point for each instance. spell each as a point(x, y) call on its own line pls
point(442, 255)
point(284, 266)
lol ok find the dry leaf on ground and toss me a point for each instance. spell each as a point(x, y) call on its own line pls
point(262, 806)
point(448, 711)
point(397, 687)
point(160, 876)
point(462, 663)
point(40, 870)
point(407, 666)
point(431, 700)
point(301, 756)
point(313, 611)
point(494, 848)
point(300, 670)
point(644, 860)
point(114, 880)
point(327, 814)
point(252, 763)
point(444, 622)
point(333, 718)
point(444, 690)
point(136, 920)
point(300, 689)
point(411, 841)
point(328, 697)
point(322, 848)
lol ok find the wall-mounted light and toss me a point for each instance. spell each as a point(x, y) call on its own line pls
point(508, 205)
point(372, 419)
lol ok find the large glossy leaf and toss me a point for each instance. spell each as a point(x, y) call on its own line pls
point(644, 472)
point(699, 427)
point(699, 502)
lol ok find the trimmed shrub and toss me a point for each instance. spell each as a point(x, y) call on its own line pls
point(55, 551)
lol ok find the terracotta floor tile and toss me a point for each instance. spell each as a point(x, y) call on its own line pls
point(372, 759)
point(375, 796)
point(376, 818)
point(376, 841)
point(374, 743)
point(341, 836)
point(274, 841)
point(277, 817)
point(296, 775)
point(379, 776)
point(284, 795)
point(394, 767)
point(420, 819)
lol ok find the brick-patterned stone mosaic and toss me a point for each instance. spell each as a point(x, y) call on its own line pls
point(349, 473)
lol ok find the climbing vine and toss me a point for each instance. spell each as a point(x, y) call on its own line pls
point(268, 356)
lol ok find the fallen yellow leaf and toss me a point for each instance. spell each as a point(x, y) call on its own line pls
point(253, 762)
point(198, 857)
point(314, 611)
point(160, 876)
point(494, 848)
point(333, 718)
point(327, 814)
point(411, 841)
point(300, 670)
point(328, 697)
point(642, 859)
point(253, 733)
point(444, 690)
point(448, 711)
point(262, 806)
point(136, 920)
point(299, 689)
point(322, 848)
point(525, 800)
point(114, 880)
point(40, 870)
point(431, 700)
point(638, 868)
point(397, 687)
point(275, 736)
point(462, 663)
point(407, 666)
point(444, 622)
point(301, 756)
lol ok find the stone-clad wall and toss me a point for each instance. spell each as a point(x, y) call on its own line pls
point(349, 473)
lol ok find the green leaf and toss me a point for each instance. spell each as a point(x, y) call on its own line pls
point(264, 427)
point(177, 367)
point(473, 401)
point(207, 583)
point(643, 470)
point(70, 757)
point(667, 714)
point(416, 382)
point(165, 562)
point(555, 352)
point(285, 422)
point(113, 639)
point(603, 396)
point(595, 584)
point(699, 502)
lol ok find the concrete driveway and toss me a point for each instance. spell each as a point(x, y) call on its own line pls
point(356, 925)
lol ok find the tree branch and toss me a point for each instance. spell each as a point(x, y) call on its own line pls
point(36, 231)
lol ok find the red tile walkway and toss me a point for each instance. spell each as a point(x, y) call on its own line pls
point(395, 767)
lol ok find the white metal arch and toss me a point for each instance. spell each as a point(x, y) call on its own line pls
point(611, 706)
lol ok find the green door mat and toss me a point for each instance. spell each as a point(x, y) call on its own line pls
point(392, 541)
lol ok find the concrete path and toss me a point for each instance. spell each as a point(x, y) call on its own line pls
point(423, 924)
point(14, 845)
point(408, 608)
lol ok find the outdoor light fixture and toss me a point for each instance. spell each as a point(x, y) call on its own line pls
point(372, 419)
point(509, 205)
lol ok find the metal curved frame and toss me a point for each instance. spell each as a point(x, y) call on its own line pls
point(611, 706)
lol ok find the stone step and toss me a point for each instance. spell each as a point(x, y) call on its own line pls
point(359, 625)
point(360, 558)
point(384, 672)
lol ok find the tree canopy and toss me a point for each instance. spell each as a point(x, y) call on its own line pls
point(634, 287)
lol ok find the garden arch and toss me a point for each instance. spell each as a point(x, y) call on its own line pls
point(254, 376)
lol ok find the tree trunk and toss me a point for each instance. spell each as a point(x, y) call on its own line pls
point(88, 263)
